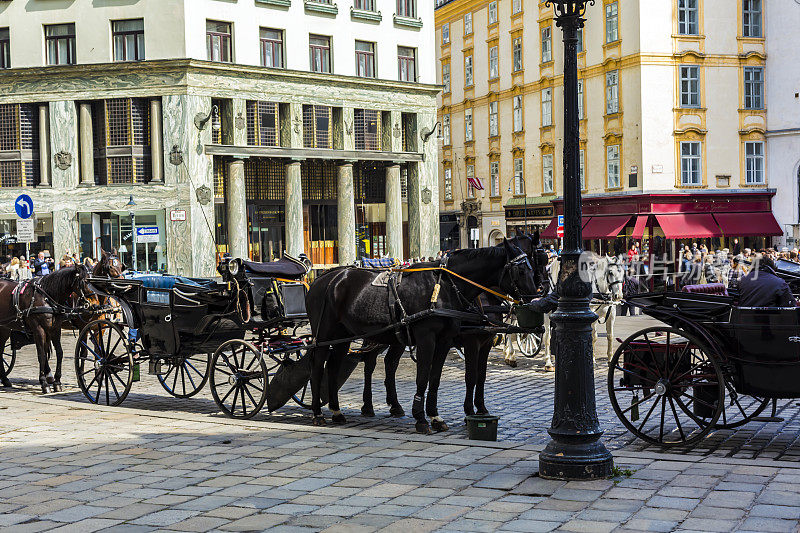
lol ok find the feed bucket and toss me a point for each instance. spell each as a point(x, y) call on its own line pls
point(482, 427)
point(527, 318)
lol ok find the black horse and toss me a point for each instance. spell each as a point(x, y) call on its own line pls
point(344, 303)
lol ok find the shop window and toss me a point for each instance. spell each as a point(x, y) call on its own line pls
point(367, 127)
point(220, 171)
point(318, 178)
point(264, 179)
point(122, 141)
point(262, 123)
point(317, 126)
point(19, 145)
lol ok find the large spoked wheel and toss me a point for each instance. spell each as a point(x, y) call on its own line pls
point(8, 361)
point(530, 344)
point(666, 386)
point(186, 376)
point(104, 363)
point(739, 409)
point(239, 379)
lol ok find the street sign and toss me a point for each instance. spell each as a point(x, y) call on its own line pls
point(560, 232)
point(23, 205)
point(560, 221)
point(147, 234)
point(25, 231)
point(177, 215)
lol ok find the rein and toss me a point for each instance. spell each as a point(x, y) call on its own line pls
point(459, 276)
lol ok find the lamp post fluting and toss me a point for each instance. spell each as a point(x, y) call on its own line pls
point(575, 451)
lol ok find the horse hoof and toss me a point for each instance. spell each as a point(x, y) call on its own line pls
point(424, 428)
point(367, 411)
point(511, 363)
point(338, 419)
point(318, 420)
point(45, 389)
point(57, 387)
point(439, 425)
point(549, 368)
point(397, 411)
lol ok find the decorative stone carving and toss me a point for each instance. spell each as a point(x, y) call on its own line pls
point(426, 195)
point(63, 159)
point(239, 122)
point(397, 131)
point(204, 194)
point(175, 155)
point(348, 126)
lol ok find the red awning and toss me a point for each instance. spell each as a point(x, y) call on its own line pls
point(688, 225)
point(550, 231)
point(748, 224)
point(605, 227)
point(638, 229)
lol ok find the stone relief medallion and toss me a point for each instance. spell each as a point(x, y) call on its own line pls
point(239, 122)
point(175, 155)
point(426, 195)
point(397, 131)
point(348, 127)
point(63, 159)
point(204, 194)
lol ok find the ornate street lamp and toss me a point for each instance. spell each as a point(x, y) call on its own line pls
point(575, 451)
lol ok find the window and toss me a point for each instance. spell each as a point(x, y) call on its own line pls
point(365, 59)
point(406, 63)
point(612, 164)
point(407, 8)
point(60, 42)
point(445, 33)
point(320, 53)
point(446, 77)
point(493, 125)
point(753, 87)
point(754, 162)
point(518, 124)
point(580, 100)
point(494, 177)
point(262, 123)
point(468, 71)
point(446, 130)
point(128, 37)
point(317, 126)
point(468, 24)
point(494, 69)
point(581, 171)
point(470, 181)
point(516, 53)
point(516, 7)
point(271, 48)
point(691, 163)
point(468, 125)
point(688, 17)
point(448, 184)
point(367, 126)
point(547, 107)
point(690, 86)
point(519, 177)
point(218, 41)
point(547, 45)
point(492, 12)
point(122, 141)
point(19, 145)
point(612, 22)
point(364, 5)
point(5, 48)
point(580, 40)
point(612, 92)
point(751, 18)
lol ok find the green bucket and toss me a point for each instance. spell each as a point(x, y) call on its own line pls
point(482, 427)
point(528, 318)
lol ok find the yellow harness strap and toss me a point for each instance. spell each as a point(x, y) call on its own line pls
point(459, 276)
point(293, 281)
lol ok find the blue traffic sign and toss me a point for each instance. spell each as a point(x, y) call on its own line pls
point(23, 205)
point(561, 221)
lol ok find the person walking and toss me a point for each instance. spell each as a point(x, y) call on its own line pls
point(13, 269)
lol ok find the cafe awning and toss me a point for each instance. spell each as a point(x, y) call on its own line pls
point(605, 227)
point(748, 224)
point(550, 231)
point(689, 225)
point(638, 228)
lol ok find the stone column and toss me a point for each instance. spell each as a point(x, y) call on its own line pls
point(44, 145)
point(156, 142)
point(65, 233)
point(345, 195)
point(87, 145)
point(237, 210)
point(64, 144)
point(415, 202)
point(426, 184)
point(394, 213)
point(295, 244)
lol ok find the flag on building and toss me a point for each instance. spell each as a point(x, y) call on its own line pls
point(475, 183)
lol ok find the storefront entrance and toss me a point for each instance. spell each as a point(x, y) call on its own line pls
point(108, 231)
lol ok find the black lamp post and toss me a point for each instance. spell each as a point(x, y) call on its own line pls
point(575, 451)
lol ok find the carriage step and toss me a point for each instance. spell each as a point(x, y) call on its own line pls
point(767, 419)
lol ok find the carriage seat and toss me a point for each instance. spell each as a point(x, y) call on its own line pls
point(709, 288)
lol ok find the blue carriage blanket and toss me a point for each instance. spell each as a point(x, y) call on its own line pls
point(167, 281)
point(385, 262)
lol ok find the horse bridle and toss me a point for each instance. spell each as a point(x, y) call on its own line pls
point(512, 270)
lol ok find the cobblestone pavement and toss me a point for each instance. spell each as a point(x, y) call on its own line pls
point(521, 396)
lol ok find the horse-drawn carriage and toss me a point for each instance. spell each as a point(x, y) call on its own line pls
point(714, 365)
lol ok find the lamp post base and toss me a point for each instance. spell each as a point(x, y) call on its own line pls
point(575, 462)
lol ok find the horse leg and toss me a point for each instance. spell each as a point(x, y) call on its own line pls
point(425, 348)
point(42, 353)
point(56, 341)
point(470, 372)
point(548, 362)
point(612, 316)
point(318, 357)
point(432, 408)
point(3, 376)
point(509, 355)
point(390, 362)
point(480, 382)
point(335, 357)
point(370, 360)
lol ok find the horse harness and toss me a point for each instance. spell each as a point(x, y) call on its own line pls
point(52, 307)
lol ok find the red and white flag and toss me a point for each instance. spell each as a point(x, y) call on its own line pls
point(475, 183)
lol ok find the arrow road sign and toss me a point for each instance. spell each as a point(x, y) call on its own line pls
point(23, 206)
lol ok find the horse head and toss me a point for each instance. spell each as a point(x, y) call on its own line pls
point(610, 277)
point(109, 266)
point(518, 277)
point(531, 246)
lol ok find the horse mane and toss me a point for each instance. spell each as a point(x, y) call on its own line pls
point(60, 284)
point(494, 252)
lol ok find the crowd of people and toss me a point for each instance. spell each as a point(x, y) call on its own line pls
point(22, 268)
point(699, 265)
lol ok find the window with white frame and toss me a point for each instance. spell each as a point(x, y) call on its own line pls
point(445, 33)
point(446, 129)
point(612, 22)
point(754, 163)
point(612, 92)
point(468, 71)
point(581, 169)
point(492, 12)
point(547, 107)
point(494, 60)
point(406, 63)
point(690, 86)
point(688, 17)
point(580, 99)
point(494, 177)
point(470, 181)
point(547, 173)
point(751, 18)
point(517, 104)
point(516, 53)
point(468, 24)
point(612, 165)
point(516, 6)
point(446, 77)
point(547, 44)
point(468, 125)
point(407, 8)
point(448, 184)
point(754, 87)
point(691, 163)
point(519, 176)
point(493, 120)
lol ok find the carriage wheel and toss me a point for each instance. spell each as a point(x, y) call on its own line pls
point(104, 363)
point(187, 377)
point(238, 379)
point(665, 386)
point(274, 363)
point(8, 360)
point(739, 409)
point(530, 344)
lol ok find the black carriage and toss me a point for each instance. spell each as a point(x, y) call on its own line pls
point(714, 365)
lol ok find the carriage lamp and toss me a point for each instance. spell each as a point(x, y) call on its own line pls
point(575, 451)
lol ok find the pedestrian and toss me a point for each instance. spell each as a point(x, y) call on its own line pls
point(66, 261)
point(44, 264)
point(24, 269)
point(709, 273)
point(13, 269)
point(737, 248)
point(736, 274)
point(88, 263)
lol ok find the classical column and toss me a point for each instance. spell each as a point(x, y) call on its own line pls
point(156, 142)
point(87, 145)
point(236, 209)
point(415, 202)
point(346, 221)
point(44, 144)
point(294, 210)
point(394, 213)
